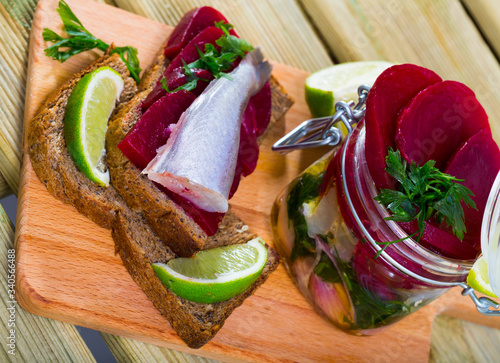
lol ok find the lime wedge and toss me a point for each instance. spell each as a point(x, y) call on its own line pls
point(339, 83)
point(478, 278)
point(86, 121)
point(214, 275)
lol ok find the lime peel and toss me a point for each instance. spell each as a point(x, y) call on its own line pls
point(226, 284)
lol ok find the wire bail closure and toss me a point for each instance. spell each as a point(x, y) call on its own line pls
point(322, 131)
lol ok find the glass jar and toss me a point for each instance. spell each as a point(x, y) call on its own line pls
point(324, 242)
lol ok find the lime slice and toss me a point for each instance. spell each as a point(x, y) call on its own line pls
point(86, 121)
point(339, 83)
point(214, 275)
point(478, 278)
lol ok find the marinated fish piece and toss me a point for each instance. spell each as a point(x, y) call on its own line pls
point(199, 160)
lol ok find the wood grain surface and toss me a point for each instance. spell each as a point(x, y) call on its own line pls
point(68, 271)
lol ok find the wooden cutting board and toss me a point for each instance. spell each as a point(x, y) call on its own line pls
point(67, 269)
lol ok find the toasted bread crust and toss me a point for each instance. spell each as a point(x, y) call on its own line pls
point(169, 221)
point(195, 323)
point(52, 161)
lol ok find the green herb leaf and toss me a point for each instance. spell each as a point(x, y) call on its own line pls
point(81, 40)
point(226, 27)
point(305, 190)
point(218, 62)
point(235, 45)
point(326, 270)
point(424, 193)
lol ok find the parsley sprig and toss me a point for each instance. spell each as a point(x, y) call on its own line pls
point(81, 40)
point(424, 193)
point(212, 60)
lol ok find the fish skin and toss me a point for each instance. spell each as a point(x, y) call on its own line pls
point(199, 159)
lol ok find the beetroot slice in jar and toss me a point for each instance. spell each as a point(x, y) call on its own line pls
point(151, 131)
point(477, 161)
point(437, 121)
point(392, 90)
point(441, 242)
point(191, 24)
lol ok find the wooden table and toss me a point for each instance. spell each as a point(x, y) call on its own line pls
point(456, 39)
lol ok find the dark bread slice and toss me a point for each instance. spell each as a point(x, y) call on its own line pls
point(169, 221)
point(50, 157)
point(195, 323)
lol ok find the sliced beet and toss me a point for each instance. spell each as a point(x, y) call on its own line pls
point(174, 73)
point(392, 90)
point(175, 79)
point(151, 131)
point(477, 161)
point(190, 52)
point(262, 106)
point(437, 121)
point(191, 24)
point(441, 242)
point(208, 221)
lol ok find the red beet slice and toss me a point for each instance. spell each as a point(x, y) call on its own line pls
point(208, 221)
point(261, 104)
point(174, 73)
point(392, 90)
point(437, 121)
point(190, 52)
point(477, 161)
point(175, 79)
point(441, 242)
point(192, 23)
point(151, 131)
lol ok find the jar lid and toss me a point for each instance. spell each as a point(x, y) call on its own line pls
point(490, 236)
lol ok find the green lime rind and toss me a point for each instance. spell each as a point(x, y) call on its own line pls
point(339, 83)
point(86, 118)
point(478, 278)
point(321, 103)
point(223, 272)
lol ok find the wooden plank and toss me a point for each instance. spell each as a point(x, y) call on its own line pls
point(437, 34)
point(37, 339)
point(278, 26)
point(486, 13)
point(130, 350)
point(4, 188)
point(460, 341)
point(14, 32)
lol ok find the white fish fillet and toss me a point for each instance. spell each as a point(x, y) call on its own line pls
point(199, 159)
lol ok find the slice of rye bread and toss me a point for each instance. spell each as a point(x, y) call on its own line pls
point(169, 221)
point(195, 323)
point(53, 163)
